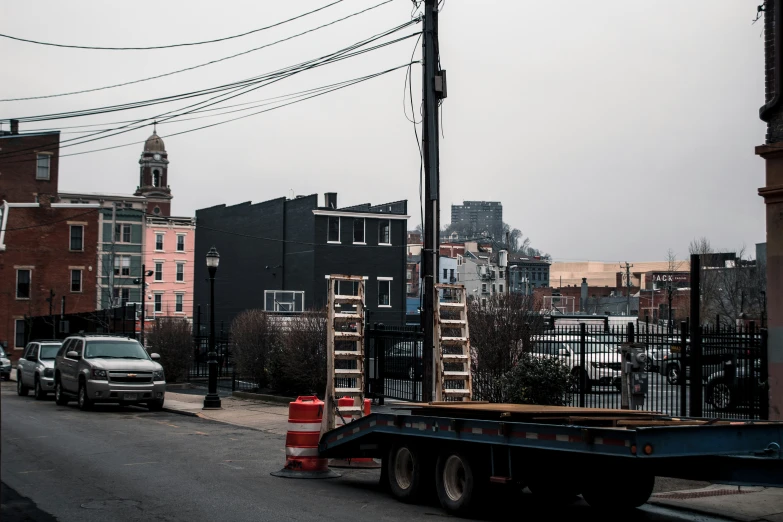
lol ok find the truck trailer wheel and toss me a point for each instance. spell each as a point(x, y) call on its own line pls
point(626, 491)
point(456, 483)
point(406, 470)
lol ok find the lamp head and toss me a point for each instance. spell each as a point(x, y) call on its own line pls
point(213, 258)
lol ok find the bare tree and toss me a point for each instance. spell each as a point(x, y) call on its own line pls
point(255, 337)
point(299, 366)
point(172, 339)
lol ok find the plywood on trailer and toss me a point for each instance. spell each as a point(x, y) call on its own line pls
point(529, 409)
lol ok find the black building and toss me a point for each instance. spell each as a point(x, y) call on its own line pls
point(277, 256)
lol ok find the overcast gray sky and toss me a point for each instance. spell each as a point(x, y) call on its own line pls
point(610, 130)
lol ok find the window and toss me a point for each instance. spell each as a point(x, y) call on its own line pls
point(409, 274)
point(283, 301)
point(500, 288)
point(333, 235)
point(384, 292)
point(23, 283)
point(158, 271)
point(158, 241)
point(180, 272)
point(178, 306)
point(483, 288)
point(77, 237)
point(445, 274)
point(409, 288)
point(121, 296)
point(76, 280)
point(493, 288)
point(156, 178)
point(158, 303)
point(180, 243)
point(358, 231)
point(384, 235)
point(122, 233)
point(502, 274)
point(451, 275)
point(43, 166)
point(122, 265)
point(19, 333)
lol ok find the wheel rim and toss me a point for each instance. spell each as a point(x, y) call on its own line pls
point(403, 468)
point(454, 478)
point(721, 396)
point(674, 373)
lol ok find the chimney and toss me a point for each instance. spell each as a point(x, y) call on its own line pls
point(14, 126)
point(330, 200)
point(583, 296)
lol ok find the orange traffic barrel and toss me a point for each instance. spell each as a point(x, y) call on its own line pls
point(301, 441)
point(356, 462)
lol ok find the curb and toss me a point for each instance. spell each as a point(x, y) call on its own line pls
point(702, 511)
point(262, 397)
point(181, 412)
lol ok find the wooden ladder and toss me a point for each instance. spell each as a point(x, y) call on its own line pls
point(453, 349)
point(344, 344)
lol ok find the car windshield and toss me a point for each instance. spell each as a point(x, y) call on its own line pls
point(49, 351)
point(114, 350)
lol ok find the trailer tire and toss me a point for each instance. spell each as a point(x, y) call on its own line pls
point(620, 491)
point(406, 469)
point(456, 482)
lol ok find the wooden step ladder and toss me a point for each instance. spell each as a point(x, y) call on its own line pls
point(452, 349)
point(344, 343)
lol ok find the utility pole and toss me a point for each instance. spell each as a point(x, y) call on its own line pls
point(627, 286)
point(433, 89)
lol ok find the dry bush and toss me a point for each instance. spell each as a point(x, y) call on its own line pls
point(172, 339)
point(255, 337)
point(299, 366)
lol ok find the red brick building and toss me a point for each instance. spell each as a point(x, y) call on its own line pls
point(45, 246)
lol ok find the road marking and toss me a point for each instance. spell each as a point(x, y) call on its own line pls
point(35, 471)
point(202, 433)
point(230, 466)
point(138, 463)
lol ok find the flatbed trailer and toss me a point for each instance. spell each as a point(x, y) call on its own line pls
point(610, 457)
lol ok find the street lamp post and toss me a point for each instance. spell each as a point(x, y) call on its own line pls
point(212, 400)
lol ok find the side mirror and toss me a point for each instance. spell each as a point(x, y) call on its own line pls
point(31, 358)
point(73, 355)
point(154, 356)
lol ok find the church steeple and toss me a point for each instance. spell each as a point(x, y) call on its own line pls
point(153, 176)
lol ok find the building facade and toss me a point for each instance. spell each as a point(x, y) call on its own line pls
point(277, 255)
point(526, 273)
point(169, 246)
point(473, 218)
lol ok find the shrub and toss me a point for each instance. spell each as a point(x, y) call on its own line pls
point(171, 338)
point(299, 365)
point(537, 380)
point(255, 337)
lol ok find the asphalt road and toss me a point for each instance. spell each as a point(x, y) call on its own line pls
point(123, 464)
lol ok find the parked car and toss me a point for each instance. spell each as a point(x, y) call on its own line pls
point(5, 365)
point(602, 361)
point(101, 368)
point(402, 363)
point(35, 369)
point(739, 383)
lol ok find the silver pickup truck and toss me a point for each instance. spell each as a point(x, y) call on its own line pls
point(35, 368)
point(104, 368)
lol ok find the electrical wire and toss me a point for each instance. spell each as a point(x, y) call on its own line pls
point(170, 46)
point(196, 66)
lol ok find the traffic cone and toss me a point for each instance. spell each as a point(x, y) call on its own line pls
point(357, 462)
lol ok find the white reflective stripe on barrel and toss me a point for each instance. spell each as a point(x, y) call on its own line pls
point(301, 452)
point(304, 426)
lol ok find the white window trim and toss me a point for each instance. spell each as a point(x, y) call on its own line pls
point(339, 231)
point(16, 288)
point(364, 232)
point(81, 280)
point(176, 273)
point(154, 304)
point(70, 227)
point(182, 295)
point(48, 167)
point(379, 232)
point(120, 257)
point(163, 242)
point(155, 272)
point(176, 246)
point(389, 280)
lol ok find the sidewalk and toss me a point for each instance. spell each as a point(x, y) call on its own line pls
point(744, 504)
point(263, 416)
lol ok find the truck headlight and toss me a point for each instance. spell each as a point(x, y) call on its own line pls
point(48, 372)
point(157, 375)
point(99, 374)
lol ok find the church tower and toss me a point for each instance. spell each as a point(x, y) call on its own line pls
point(153, 177)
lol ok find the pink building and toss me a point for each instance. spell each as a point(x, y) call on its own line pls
point(168, 254)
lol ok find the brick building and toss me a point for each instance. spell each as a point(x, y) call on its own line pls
point(47, 247)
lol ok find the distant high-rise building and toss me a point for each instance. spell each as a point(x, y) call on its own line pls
point(477, 217)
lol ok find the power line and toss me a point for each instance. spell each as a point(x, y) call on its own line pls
point(92, 47)
point(199, 65)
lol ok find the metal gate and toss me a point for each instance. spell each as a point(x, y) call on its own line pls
point(393, 362)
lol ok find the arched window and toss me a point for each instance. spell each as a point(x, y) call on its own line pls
point(156, 178)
